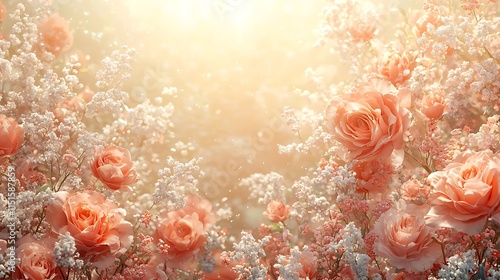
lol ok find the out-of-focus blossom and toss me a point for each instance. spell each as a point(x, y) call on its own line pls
point(55, 34)
point(3, 11)
point(420, 19)
point(11, 136)
point(309, 265)
point(363, 32)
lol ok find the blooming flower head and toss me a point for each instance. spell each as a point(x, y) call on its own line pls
point(37, 261)
point(277, 211)
point(433, 106)
point(396, 66)
point(11, 136)
point(55, 34)
point(372, 176)
point(363, 32)
point(413, 191)
point(309, 265)
point(405, 240)
point(112, 166)
point(98, 226)
point(466, 193)
point(420, 19)
point(370, 122)
point(200, 206)
point(184, 235)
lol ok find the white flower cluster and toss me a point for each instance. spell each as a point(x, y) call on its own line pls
point(317, 142)
point(291, 119)
point(175, 181)
point(340, 17)
point(288, 266)
point(488, 136)
point(140, 126)
point(266, 187)
point(27, 203)
point(459, 267)
point(345, 181)
point(252, 252)
point(311, 203)
point(44, 143)
point(351, 243)
point(65, 252)
point(110, 79)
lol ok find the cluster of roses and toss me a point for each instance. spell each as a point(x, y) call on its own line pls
point(98, 226)
point(371, 123)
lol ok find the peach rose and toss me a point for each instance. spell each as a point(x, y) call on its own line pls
point(200, 206)
point(277, 211)
point(222, 270)
point(3, 246)
point(396, 66)
point(55, 34)
point(11, 136)
point(37, 262)
point(372, 176)
point(183, 233)
point(433, 106)
point(363, 32)
point(466, 192)
point(369, 122)
point(112, 166)
point(98, 226)
point(414, 191)
point(420, 19)
point(405, 240)
point(309, 265)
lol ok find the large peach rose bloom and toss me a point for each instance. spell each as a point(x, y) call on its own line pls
point(183, 233)
point(37, 262)
point(98, 226)
point(11, 136)
point(405, 240)
point(370, 122)
point(112, 166)
point(466, 193)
